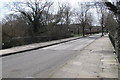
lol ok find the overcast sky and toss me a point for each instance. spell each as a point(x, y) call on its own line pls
point(4, 11)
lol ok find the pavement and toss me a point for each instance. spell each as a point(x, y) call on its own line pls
point(95, 61)
point(89, 57)
point(34, 46)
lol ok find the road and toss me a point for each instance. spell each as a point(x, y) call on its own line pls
point(42, 63)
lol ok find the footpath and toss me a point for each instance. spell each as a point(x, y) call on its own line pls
point(97, 60)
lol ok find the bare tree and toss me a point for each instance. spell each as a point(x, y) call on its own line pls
point(15, 26)
point(116, 11)
point(111, 24)
point(33, 10)
point(0, 34)
point(89, 21)
point(59, 18)
point(101, 11)
point(67, 13)
point(82, 16)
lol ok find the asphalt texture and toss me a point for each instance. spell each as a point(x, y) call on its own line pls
point(42, 63)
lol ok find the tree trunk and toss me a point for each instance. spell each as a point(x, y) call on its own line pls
point(83, 30)
point(102, 26)
point(118, 38)
point(102, 31)
point(118, 32)
point(78, 32)
point(35, 26)
point(90, 30)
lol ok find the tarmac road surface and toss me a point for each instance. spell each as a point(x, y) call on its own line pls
point(43, 62)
